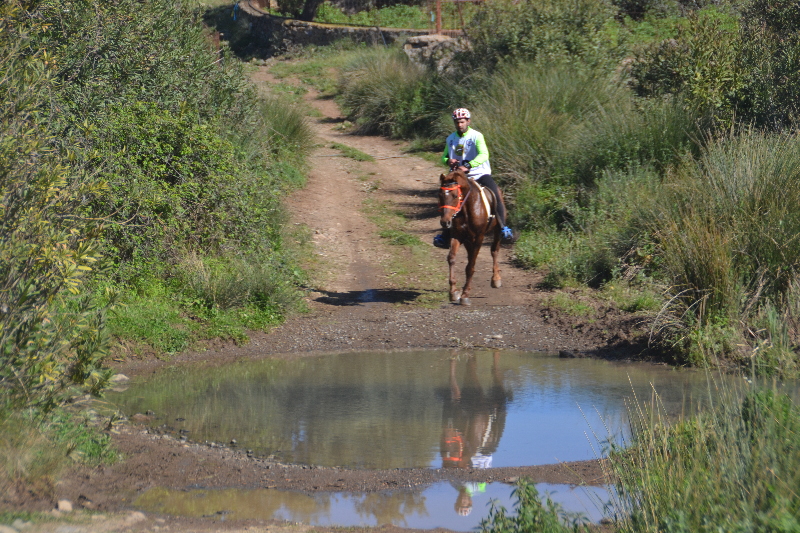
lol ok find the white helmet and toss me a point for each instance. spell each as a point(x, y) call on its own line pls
point(461, 112)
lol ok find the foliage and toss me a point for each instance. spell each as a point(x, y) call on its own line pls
point(531, 515)
point(51, 336)
point(727, 234)
point(393, 16)
point(739, 66)
point(383, 92)
point(551, 30)
point(195, 163)
point(732, 468)
point(36, 446)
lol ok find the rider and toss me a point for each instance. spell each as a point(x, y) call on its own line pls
point(466, 150)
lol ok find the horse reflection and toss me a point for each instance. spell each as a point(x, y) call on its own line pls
point(473, 419)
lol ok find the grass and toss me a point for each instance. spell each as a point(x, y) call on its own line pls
point(36, 448)
point(396, 16)
point(410, 262)
point(569, 304)
point(318, 66)
point(352, 153)
point(731, 468)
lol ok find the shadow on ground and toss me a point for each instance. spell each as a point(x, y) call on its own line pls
point(368, 296)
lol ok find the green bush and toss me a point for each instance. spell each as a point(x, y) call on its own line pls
point(733, 468)
point(383, 92)
point(541, 30)
point(727, 233)
point(51, 337)
point(531, 514)
point(396, 16)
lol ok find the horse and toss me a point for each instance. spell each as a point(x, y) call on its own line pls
point(466, 215)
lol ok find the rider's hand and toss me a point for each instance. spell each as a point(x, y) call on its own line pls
point(452, 163)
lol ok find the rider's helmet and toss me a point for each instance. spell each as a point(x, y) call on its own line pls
point(461, 112)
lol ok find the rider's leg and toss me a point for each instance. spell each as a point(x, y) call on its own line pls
point(487, 181)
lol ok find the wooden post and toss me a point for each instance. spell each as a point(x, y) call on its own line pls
point(438, 16)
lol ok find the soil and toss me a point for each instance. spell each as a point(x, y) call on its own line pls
point(366, 294)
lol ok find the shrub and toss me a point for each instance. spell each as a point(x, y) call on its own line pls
point(733, 468)
point(51, 338)
point(383, 92)
point(726, 230)
point(531, 515)
point(533, 30)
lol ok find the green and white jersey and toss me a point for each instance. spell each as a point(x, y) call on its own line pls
point(468, 147)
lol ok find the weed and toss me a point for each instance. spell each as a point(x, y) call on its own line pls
point(352, 153)
point(731, 468)
point(568, 304)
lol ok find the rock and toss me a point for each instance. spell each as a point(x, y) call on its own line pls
point(434, 50)
point(119, 378)
point(135, 517)
point(139, 418)
point(65, 506)
point(566, 354)
point(8, 529)
point(20, 524)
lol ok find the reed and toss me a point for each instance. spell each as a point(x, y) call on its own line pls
point(728, 231)
point(732, 468)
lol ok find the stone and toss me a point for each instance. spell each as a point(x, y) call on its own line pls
point(119, 378)
point(65, 506)
point(8, 529)
point(135, 517)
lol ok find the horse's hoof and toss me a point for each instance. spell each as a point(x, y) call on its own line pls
point(496, 283)
point(465, 301)
point(455, 296)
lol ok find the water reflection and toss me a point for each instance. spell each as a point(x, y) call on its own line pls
point(413, 409)
point(424, 510)
point(473, 420)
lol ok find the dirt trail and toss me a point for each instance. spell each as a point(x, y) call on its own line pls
point(367, 294)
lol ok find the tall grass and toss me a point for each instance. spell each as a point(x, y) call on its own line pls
point(560, 121)
point(728, 231)
point(384, 92)
point(733, 468)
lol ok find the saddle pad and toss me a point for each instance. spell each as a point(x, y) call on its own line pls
point(485, 200)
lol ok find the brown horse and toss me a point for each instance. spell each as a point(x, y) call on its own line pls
point(464, 213)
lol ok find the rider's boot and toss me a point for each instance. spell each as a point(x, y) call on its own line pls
point(442, 240)
point(507, 235)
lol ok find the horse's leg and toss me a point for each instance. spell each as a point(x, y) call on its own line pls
point(472, 256)
point(496, 281)
point(455, 295)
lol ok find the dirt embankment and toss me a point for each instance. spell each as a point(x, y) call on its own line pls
point(368, 294)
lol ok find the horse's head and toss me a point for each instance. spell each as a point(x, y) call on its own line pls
point(453, 189)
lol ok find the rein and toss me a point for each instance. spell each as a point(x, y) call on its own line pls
point(461, 199)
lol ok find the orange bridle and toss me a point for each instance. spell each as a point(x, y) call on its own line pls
point(461, 198)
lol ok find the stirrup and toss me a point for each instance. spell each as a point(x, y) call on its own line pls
point(507, 234)
point(440, 242)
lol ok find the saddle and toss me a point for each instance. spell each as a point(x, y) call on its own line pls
point(486, 203)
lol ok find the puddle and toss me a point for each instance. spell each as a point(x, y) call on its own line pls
point(460, 508)
point(410, 409)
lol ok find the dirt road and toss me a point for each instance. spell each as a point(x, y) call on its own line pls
point(366, 293)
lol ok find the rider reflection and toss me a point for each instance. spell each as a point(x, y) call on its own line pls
point(463, 504)
point(473, 420)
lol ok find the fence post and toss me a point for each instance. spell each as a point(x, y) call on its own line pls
point(438, 16)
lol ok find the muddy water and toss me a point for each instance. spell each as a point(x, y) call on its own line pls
point(412, 409)
point(456, 507)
